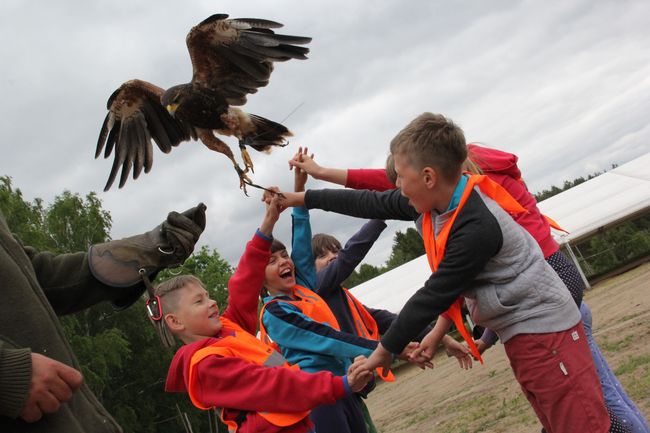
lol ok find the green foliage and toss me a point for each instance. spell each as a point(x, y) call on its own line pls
point(406, 247)
point(366, 272)
point(74, 224)
point(69, 224)
point(25, 219)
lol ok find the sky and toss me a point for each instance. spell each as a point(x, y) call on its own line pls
point(564, 85)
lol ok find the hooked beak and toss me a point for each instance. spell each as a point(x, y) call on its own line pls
point(171, 108)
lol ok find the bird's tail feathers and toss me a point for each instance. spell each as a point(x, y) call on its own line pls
point(266, 134)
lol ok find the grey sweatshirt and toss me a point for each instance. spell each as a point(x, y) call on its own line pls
point(489, 259)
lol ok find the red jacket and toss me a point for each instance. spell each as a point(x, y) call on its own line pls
point(499, 166)
point(502, 168)
point(237, 385)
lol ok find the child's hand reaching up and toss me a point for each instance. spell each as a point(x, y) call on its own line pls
point(273, 210)
point(300, 174)
point(358, 378)
point(305, 163)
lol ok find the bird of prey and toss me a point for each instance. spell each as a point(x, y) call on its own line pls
point(231, 58)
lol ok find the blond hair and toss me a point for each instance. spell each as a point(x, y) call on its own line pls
point(167, 291)
point(432, 140)
point(390, 169)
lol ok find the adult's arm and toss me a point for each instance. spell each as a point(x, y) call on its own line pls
point(15, 378)
point(330, 278)
point(474, 239)
point(69, 285)
point(387, 205)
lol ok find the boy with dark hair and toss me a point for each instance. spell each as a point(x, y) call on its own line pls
point(223, 365)
point(477, 250)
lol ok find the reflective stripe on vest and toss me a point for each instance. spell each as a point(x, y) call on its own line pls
point(435, 245)
point(366, 327)
point(244, 346)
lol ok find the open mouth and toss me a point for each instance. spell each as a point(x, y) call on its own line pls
point(286, 274)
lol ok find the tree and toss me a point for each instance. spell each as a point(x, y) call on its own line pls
point(73, 224)
point(366, 272)
point(25, 219)
point(406, 247)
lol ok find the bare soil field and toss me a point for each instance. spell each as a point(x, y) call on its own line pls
point(487, 398)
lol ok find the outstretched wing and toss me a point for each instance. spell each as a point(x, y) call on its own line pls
point(235, 57)
point(135, 117)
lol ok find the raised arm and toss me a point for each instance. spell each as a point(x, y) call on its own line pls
point(245, 284)
point(301, 252)
point(331, 277)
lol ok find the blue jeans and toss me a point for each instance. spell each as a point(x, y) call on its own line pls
point(616, 399)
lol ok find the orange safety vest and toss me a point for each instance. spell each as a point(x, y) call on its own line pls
point(366, 326)
point(435, 245)
point(244, 346)
point(554, 224)
point(314, 307)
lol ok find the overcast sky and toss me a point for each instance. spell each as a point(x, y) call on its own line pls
point(565, 85)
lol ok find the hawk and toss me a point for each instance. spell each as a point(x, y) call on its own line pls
point(231, 58)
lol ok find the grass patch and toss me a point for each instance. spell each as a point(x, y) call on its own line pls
point(484, 413)
point(617, 346)
point(631, 316)
point(632, 363)
point(637, 387)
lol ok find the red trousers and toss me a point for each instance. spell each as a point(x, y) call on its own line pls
point(557, 374)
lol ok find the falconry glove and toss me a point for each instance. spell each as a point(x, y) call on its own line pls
point(117, 263)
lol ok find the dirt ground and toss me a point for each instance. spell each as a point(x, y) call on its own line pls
point(488, 399)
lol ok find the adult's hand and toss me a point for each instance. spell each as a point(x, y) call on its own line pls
point(52, 383)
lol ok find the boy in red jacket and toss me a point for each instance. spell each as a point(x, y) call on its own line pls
point(223, 365)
